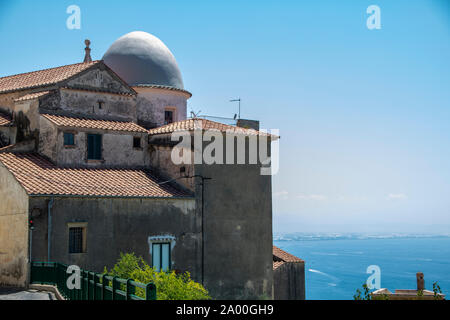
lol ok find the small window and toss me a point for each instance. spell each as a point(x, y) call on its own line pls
point(77, 240)
point(161, 256)
point(69, 139)
point(168, 116)
point(137, 142)
point(100, 104)
point(94, 146)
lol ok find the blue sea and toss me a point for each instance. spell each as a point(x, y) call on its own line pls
point(336, 264)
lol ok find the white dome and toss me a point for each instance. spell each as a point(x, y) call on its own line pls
point(140, 58)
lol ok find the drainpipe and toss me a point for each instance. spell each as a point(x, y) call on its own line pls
point(49, 228)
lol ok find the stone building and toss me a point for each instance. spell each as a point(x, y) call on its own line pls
point(288, 276)
point(85, 152)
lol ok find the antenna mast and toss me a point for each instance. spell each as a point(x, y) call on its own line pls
point(238, 100)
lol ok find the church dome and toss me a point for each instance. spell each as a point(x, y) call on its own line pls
point(140, 58)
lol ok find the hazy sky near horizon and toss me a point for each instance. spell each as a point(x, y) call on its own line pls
point(363, 114)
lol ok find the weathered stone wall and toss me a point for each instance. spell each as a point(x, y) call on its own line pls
point(7, 99)
point(30, 109)
point(122, 107)
point(160, 159)
point(116, 225)
point(48, 133)
point(98, 78)
point(151, 104)
point(289, 281)
point(117, 147)
point(237, 229)
point(13, 231)
point(7, 135)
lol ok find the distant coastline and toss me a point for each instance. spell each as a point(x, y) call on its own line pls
point(303, 236)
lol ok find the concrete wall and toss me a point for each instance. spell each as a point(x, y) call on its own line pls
point(13, 231)
point(289, 281)
point(238, 230)
point(116, 225)
point(151, 103)
point(117, 146)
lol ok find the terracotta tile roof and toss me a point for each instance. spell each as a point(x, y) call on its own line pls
point(75, 122)
point(155, 86)
point(39, 176)
point(5, 120)
point(32, 96)
point(197, 124)
point(283, 256)
point(277, 264)
point(42, 77)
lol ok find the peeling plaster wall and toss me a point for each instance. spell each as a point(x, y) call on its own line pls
point(13, 231)
point(8, 135)
point(117, 149)
point(160, 158)
point(98, 78)
point(151, 104)
point(30, 109)
point(47, 145)
point(122, 107)
point(116, 225)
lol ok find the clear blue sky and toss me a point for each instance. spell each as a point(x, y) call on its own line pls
point(363, 114)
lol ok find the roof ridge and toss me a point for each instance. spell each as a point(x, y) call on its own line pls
point(284, 255)
point(39, 176)
point(52, 68)
point(86, 117)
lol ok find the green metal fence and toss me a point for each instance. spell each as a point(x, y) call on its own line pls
point(93, 286)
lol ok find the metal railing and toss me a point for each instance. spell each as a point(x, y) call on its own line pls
point(93, 286)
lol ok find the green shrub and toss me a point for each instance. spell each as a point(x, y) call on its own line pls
point(367, 295)
point(169, 285)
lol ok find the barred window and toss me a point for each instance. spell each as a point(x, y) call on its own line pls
point(76, 240)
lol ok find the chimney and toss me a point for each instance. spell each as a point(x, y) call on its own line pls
point(248, 124)
point(87, 56)
point(420, 281)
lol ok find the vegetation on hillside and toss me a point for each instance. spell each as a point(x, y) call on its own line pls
point(169, 285)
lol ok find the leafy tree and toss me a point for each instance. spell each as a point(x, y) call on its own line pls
point(366, 296)
point(437, 291)
point(169, 285)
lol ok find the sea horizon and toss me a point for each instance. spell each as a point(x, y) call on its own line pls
point(336, 262)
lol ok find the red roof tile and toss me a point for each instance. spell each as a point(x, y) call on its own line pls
point(283, 256)
point(39, 176)
point(205, 124)
point(5, 119)
point(42, 77)
point(74, 122)
point(277, 264)
point(31, 96)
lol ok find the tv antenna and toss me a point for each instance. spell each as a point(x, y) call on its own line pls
point(237, 100)
point(195, 115)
